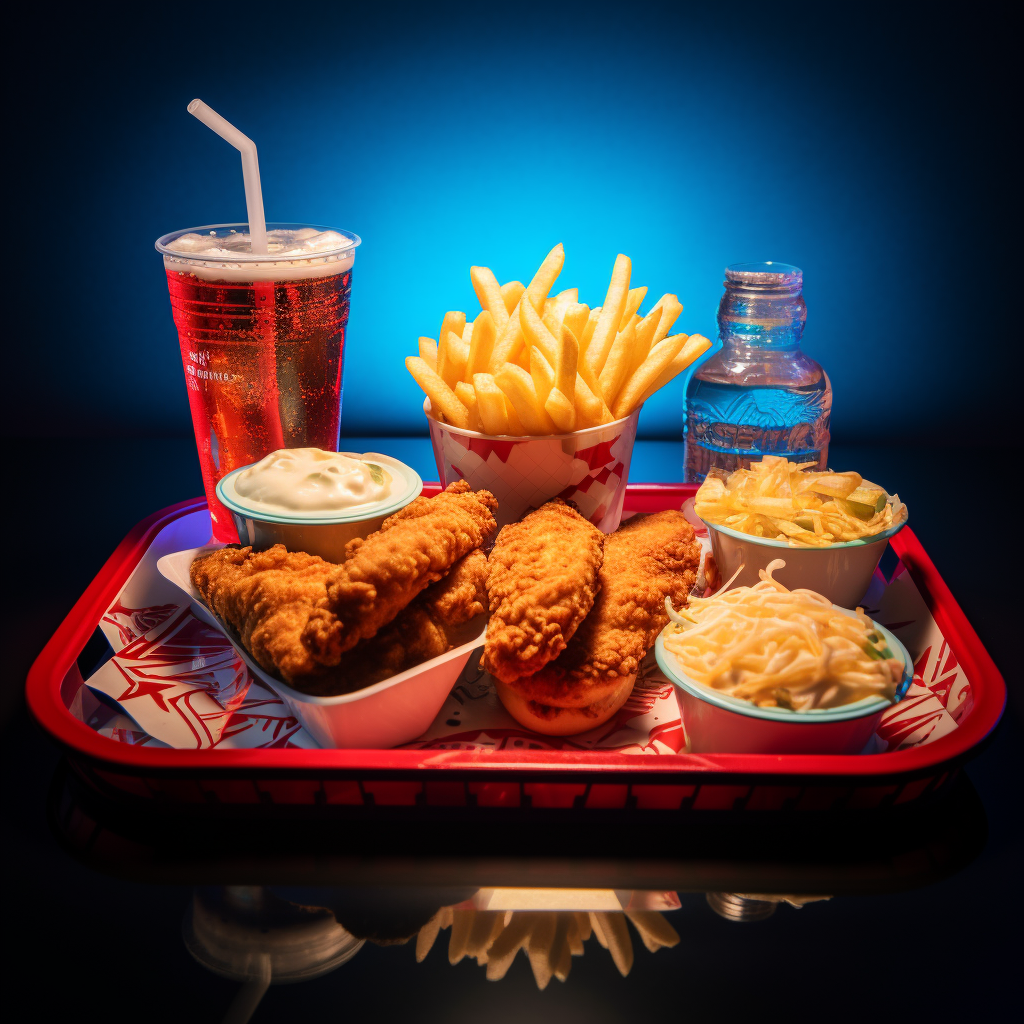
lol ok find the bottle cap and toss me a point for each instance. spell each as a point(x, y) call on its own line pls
point(764, 275)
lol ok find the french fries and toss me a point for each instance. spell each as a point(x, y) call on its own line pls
point(428, 352)
point(491, 405)
point(481, 346)
point(466, 394)
point(488, 291)
point(536, 364)
point(512, 292)
point(522, 395)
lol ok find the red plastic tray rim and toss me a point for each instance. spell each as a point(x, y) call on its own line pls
point(43, 694)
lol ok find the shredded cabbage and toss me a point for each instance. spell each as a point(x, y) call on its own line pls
point(781, 648)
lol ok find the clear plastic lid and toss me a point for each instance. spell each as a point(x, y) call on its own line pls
point(223, 251)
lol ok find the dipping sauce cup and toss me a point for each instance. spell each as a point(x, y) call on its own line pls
point(318, 533)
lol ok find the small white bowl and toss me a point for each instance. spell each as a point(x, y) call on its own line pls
point(387, 714)
point(841, 572)
point(716, 723)
point(318, 533)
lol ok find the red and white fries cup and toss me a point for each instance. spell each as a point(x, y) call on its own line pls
point(589, 467)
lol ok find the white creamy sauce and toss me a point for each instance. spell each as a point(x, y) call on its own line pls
point(311, 480)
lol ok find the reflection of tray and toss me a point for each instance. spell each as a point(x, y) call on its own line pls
point(958, 700)
point(840, 854)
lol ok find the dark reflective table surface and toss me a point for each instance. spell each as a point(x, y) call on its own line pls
point(144, 915)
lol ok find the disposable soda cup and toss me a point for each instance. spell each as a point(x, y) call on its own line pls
point(262, 341)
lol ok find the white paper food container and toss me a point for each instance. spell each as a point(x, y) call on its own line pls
point(588, 467)
point(394, 711)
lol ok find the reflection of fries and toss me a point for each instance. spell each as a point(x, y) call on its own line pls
point(551, 939)
point(504, 948)
point(539, 948)
point(653, 928)
point(612, 933)
point(428, 934)
point(559, 365)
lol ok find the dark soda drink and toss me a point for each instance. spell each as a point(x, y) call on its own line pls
point(262, 344)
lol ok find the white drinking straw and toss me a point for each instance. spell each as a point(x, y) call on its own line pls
point(250, 169)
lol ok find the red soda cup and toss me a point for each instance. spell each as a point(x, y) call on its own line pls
point(262, 341)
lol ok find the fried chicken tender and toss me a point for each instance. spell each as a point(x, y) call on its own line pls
point(422, 631)
point(280, 603)
point(267, 597)
point(236, 582)
point(383, 573)
point(649, 558)
point(542, 578)
point(462, 594)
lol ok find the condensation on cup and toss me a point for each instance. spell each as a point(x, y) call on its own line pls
point(262, 341)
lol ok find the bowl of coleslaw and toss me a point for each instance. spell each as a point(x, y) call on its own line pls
point(316, 501)
point(831, 528)
point(767, 670)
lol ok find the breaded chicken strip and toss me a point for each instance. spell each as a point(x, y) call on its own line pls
point(422, 631)
point(268, 596)
point(541, 581)
point(282, 604)
point(649, 558)
point(462, 594)
point(383, 573)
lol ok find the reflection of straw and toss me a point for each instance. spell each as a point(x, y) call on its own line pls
point(248, 997)
point(264, 290)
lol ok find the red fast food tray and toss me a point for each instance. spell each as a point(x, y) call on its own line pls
point(470, 780)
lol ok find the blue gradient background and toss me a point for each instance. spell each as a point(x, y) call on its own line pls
point(854, 144)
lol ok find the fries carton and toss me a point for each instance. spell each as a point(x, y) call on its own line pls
point(587, 467)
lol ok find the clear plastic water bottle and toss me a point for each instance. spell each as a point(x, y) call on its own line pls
point(759, 395)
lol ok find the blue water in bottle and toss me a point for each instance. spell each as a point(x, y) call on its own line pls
point(759, 395)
